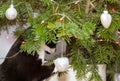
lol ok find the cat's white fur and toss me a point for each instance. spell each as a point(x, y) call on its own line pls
point(42, 53)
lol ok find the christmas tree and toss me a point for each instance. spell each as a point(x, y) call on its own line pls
point(91, 38)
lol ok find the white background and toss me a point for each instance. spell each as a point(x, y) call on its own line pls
point(6, 41)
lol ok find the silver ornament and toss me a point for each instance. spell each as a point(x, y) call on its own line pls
point(11, 13)
point(106, 19)
point(61, 64)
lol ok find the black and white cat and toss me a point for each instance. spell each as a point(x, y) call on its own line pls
point(25, 67)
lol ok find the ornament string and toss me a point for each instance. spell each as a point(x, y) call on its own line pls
point(62, 48)
point(62, 39)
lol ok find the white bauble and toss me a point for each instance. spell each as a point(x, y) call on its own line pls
point(61, 64)
point(11, 12)
point(117, 77)
point(106, 19)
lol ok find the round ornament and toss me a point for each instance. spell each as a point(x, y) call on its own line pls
point(106, 19)
point(61, 64)
point(11, 12)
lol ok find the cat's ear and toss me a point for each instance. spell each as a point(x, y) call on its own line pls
point(53, 50)
point(47, 49)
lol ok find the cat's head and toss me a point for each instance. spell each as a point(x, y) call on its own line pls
point(46, 48)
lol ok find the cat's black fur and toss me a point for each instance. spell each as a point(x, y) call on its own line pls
point(23, 67)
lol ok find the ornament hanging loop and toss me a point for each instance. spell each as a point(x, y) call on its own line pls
point(11, 1)
point(105, 7)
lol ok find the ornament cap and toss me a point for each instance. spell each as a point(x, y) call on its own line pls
point(105, 11)
point(12, 6)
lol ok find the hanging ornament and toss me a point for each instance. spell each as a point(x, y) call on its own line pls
point(61, 64)
point(106, 18)
point(11, 12)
